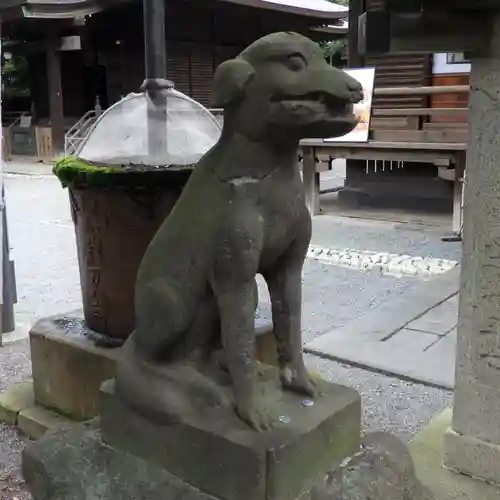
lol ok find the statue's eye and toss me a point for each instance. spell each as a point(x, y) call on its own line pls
point(296, 62)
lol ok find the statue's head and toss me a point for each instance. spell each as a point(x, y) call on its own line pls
point(281, 87)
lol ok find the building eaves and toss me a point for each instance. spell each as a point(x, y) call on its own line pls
point(63, 9)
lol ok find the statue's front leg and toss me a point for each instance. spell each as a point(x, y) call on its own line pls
point(238, 339)
point(284, 280)
point(234, 286)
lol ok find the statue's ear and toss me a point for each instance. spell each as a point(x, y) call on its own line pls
point(229, 82)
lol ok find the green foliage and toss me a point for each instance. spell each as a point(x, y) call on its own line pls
point(76, 173)
point(335, 49)
point(16, 76)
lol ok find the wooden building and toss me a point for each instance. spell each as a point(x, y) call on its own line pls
point(405, 183)
point(81, 51)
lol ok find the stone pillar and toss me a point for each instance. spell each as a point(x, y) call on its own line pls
point(472, 446)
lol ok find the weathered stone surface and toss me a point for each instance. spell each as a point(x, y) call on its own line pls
point(35, 420)
point(427, 450)
point(382, 470)
point(195, 290)
point(476, 410)
point(15, 399)
point(68, 367)
point(218, 453)
point(72, 463)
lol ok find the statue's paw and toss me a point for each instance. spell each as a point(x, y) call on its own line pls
point(257, 417)
point(300, 382)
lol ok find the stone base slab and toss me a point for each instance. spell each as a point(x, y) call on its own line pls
point(73, 463)
point(69, 368)
point(219, 454)
point(15, 399)
point(36, 420)
point(428, 452)
point(471, 456)
point(18, 408)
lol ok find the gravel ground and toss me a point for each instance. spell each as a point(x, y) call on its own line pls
point(44, 251)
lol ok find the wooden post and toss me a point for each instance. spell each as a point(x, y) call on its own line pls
point(354, 168)
point(311, 180)
point(458, 194)
point(55, 97)
point(356, 8)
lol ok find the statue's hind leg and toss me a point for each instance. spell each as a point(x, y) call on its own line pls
point(202, 337)
point(163, 315)
point(155, 375)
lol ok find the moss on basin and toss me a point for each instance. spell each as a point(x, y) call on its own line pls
point(77, 173)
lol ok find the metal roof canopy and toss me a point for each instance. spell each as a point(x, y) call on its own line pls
point(427, 26)
point(64, 9)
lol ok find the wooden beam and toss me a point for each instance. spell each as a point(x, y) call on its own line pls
point(444, 135)
point(55, 98)
point(448, 5)
point(374, 36)
point(426, 32)
point(419, 111)
point(426, 90)
point(10, 4)
point(354, 58)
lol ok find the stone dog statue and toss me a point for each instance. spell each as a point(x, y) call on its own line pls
point(241, 213)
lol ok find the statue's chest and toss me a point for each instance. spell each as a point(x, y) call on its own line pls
point(283, 210)
point(275, 203)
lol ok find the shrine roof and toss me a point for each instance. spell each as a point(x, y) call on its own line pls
point(61, 9)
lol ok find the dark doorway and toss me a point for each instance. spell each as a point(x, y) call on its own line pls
point(95, 86)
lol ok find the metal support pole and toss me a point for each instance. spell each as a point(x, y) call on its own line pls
point(154, 39)
point(156, 68)
point(8, 284)
point(9, 290)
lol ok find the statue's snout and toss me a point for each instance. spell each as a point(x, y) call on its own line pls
point(340, 85)
point(354, 89)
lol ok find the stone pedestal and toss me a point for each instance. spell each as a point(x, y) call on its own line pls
point(219, 454)
point(73, 462)
point(472, 445)
point(212, 454)
point(68, 367)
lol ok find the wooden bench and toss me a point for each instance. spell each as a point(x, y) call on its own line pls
point(415, 140)
point(421, 152)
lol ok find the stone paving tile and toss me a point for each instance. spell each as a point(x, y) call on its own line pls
point(439, 320)
point(383, 340)
point(412, 341)
point(409, 355)
point(444, 345)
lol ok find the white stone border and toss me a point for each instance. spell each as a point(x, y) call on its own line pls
point(388, 263)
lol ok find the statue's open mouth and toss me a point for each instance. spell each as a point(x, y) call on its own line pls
point(319, 103)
